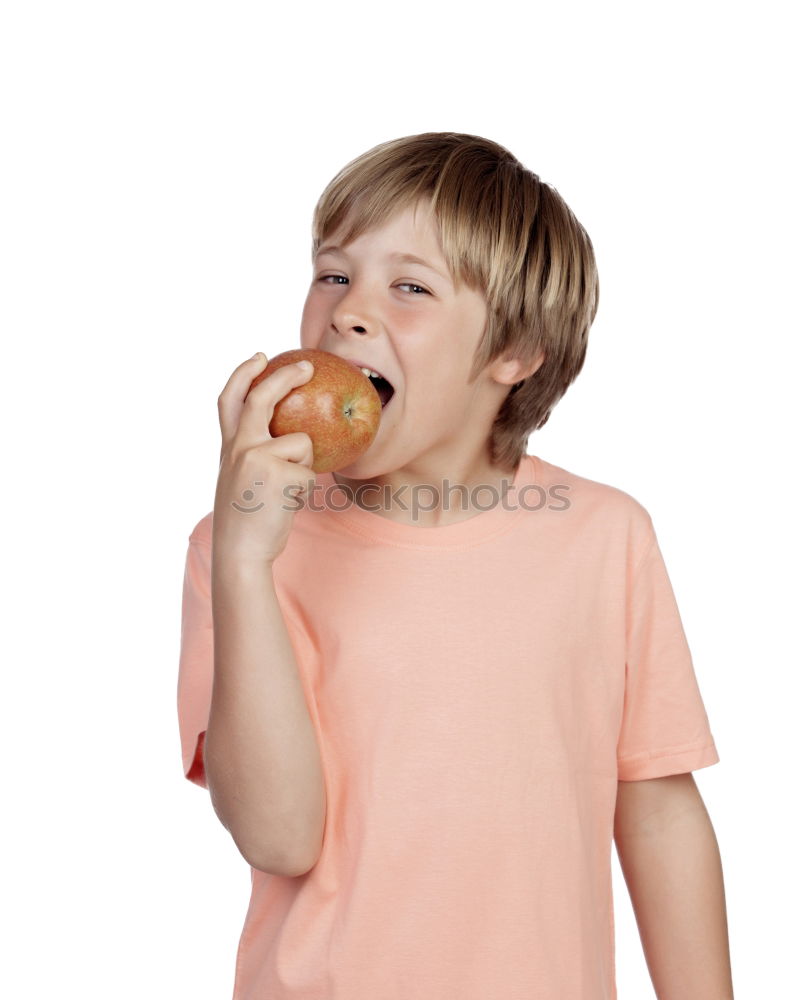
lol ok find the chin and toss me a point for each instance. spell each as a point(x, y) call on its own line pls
point(361, 469)
point(354, 471)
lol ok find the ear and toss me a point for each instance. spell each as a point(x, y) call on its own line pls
point(508, 371)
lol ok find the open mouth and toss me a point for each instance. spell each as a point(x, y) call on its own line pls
point(384, 389)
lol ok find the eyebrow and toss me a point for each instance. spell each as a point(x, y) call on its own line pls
point(402, 258)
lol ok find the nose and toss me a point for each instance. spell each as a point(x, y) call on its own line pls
point(353, 313)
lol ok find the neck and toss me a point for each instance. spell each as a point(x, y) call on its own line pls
point(417, 494)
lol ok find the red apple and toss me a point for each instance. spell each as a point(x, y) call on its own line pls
point(338, 407)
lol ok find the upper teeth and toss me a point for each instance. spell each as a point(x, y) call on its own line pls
point(369, 372)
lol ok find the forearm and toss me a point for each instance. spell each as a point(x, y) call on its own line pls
point(673, 872)
point(261, 754)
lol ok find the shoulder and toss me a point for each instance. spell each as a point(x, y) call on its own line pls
point(590, 492)
point(202, 532)
point(596, 503)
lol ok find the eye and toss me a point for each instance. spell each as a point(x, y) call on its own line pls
point(403, 284)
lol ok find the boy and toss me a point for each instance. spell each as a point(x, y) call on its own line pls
point(447, 675)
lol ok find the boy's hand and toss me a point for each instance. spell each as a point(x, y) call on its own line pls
point(249, 523)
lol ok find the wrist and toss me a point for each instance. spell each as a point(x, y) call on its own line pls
point(235, 566)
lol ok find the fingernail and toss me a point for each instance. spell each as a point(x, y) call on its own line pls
point(257, 355)
point(305, 366)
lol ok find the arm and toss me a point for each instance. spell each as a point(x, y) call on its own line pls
point(671, 864)
point(261, 755)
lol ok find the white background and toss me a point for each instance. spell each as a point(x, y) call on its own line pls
point(160, 165)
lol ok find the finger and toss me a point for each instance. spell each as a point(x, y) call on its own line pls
point(296, 448)
point(262, 399)
point(230, 401)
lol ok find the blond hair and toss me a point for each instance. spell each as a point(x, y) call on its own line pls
point(503, 232)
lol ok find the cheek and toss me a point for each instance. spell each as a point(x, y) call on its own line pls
point(310, 323)
point(433, 392)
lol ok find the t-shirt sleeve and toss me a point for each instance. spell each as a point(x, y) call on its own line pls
point(196, 657)
point(664, 727)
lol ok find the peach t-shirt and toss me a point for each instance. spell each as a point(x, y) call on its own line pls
point(477, 691)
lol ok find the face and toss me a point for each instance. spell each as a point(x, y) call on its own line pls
point(408, 322)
